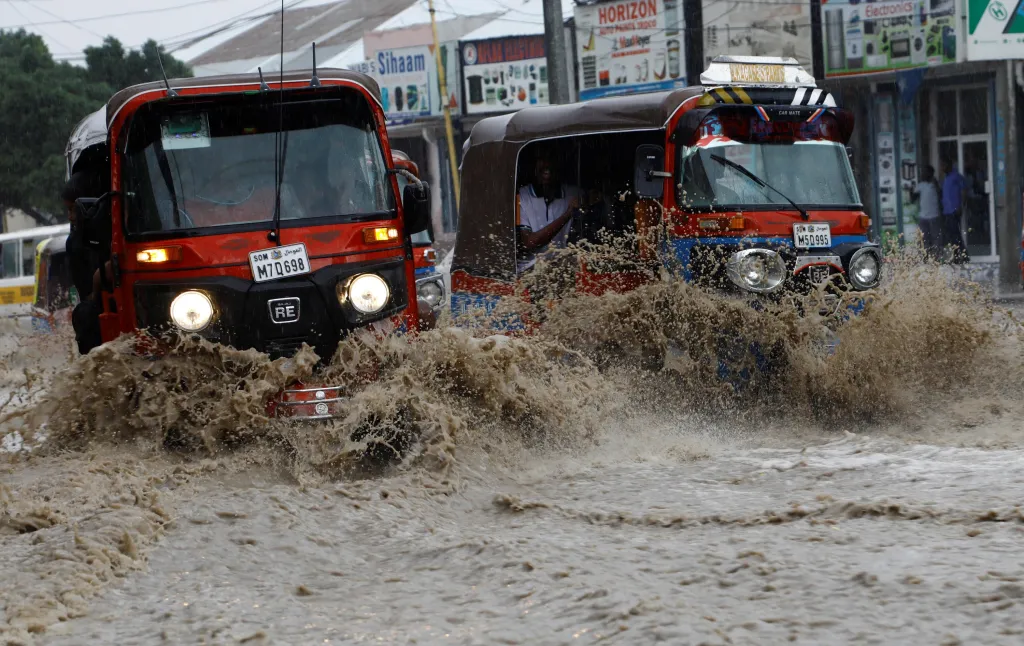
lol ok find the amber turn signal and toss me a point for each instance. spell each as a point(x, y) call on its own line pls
point(156, 256)
point(737, 223)
point(379, 234)
point(865, 222)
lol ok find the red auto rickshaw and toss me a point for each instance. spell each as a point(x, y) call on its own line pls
point(256, 213)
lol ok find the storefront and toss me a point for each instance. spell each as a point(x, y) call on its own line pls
point(414, 107)
point(918, 102)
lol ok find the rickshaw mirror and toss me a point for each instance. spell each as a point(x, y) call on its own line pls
point(649, 171)
point(416, 200)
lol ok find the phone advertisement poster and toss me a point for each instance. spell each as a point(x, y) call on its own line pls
point(504, 74)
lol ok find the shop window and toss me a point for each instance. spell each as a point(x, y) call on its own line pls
point(945, 114)
point(10, 260)
point(948, 151)
point(974, 111)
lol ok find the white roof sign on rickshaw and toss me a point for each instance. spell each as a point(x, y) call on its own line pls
point(762, 71)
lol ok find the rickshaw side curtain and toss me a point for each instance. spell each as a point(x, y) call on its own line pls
point(486, 245)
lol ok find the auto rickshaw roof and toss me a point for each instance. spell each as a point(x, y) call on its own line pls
point(119, 100)
point(621, 113)
point(92, 130)
point(485, 243)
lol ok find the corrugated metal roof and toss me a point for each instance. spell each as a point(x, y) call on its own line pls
point(335, 24)
point(520, 18)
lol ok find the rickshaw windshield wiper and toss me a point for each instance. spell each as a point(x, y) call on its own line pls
point(728, 163)
point(165, 172)
point(279, 179)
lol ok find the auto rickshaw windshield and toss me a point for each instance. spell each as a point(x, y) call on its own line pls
point(804, 161)
point(204, 164)
point(812, 174)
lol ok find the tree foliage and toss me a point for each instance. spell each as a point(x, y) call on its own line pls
point(112, 65)
point(41, 101)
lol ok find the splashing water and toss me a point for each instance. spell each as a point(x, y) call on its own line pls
point(922, 340)
point(603, 380)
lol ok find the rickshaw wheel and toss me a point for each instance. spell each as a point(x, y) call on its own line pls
point(389, 439)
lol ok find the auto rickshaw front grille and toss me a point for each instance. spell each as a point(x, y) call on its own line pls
point(287, 347)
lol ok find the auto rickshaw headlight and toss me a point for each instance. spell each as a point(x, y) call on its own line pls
point(191, 311)
point(431, 290)
point(368, 293)
point(757, 270)
point(865, 268)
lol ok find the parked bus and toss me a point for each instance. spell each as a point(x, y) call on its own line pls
point(18, 262)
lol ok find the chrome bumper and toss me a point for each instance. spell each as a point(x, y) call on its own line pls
point(324, 402)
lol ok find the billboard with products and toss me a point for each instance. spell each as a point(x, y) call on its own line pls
point(881, 36)
point(630, 46)
point(504, 74)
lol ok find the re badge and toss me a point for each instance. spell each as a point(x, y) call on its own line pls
point(284, 310)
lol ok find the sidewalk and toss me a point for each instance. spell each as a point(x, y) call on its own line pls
point(986, 274)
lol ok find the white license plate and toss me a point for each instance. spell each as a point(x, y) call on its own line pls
point(812, 236)
point(279, 262)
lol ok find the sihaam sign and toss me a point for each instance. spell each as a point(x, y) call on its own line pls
point(409, 82)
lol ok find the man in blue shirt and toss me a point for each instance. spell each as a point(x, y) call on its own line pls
point(954, 189)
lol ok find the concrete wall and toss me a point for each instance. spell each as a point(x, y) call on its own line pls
point(18, 220)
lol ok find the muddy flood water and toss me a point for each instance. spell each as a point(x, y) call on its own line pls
point(562, 488)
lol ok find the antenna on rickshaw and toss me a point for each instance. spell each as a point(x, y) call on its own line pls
point(315, 81)
point(160, 60)
point(275, 235)
point(263, 84)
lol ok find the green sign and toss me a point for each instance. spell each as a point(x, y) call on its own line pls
point(880, 36)
point(996, 29)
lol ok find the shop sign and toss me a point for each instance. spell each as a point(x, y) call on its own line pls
point(504, 74)
point(629, 46)
point(410, 86)
point(886, 169)
point(767, 28)
point(996, 29)
point(881, 36)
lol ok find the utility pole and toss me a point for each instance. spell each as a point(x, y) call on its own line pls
point(447, 110)
point(554, 45)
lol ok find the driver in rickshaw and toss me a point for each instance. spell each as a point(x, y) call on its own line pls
point(544, 209)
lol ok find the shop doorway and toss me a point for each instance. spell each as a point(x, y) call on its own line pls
point(963, 135)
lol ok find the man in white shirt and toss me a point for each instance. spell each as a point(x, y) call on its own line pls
point(544, 210)
point(929, 220)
